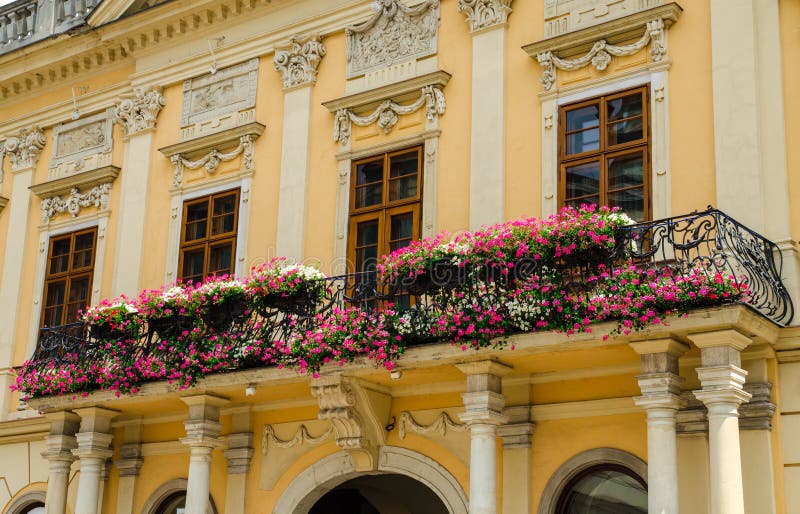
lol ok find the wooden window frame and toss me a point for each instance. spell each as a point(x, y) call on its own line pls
point(209, 241)
point(70, 275)
point(605, 151)
point(383, 211)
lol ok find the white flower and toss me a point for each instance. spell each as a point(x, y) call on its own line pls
point(174, 292)
point(620, 219)
point(305, 272)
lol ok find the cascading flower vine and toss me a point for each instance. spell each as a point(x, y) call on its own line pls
point(479, 288)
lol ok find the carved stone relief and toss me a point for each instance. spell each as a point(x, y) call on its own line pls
point(298, 62)
point(388, 112)
point(482, 14)
point(562, 16)
point(226, 99)
point(138, 113)
point(81, 145)
point(24, 149)
point(72, 203)
point(395, 33)
point(601, 53)
point(214, 158)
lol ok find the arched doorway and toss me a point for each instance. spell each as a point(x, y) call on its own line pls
point(337, 474)
point(380, 494)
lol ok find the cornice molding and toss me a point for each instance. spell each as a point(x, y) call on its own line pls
point(217, 141)
point(83, 180)
point(298, 61)
point(108, 12)
point(398, 91)
point(598, 43)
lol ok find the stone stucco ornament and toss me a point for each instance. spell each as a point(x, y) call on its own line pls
point(24, 149)
point(298, 62)
point(395, 33)
point(97, 196)
point(482, 14)
point(138, 113)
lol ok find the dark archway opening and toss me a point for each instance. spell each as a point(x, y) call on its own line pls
point(380, 494)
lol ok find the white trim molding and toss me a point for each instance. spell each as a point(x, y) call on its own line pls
point(596, 45)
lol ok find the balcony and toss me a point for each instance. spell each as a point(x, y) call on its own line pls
point(656, 269)
point(27, 21)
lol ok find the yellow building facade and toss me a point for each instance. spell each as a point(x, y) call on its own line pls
point(148, 142)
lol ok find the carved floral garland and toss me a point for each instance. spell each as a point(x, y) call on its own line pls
point(213, 159)
point(600, 54)
point(97, 196)
point(440, 425)
point(388, 112)
point(300, 437)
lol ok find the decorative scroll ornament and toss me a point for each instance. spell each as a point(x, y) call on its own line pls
point(300, 437)
point(388, 112)
point(395, 33)
point(600, 54)
point(485, 13)
point(213, 159)
point(440, 426)
point(298, 63)
point(138, 113)
point(97, 196)
point(24, 150)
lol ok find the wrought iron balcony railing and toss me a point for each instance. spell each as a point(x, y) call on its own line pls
point(709, 240)
point(26, 21)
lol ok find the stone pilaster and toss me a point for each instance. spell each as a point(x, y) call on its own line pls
point(484, 404)
point(239, 454)
point(202, 437)
point(60, 443)
point(661, 388)
point(722, 380)
point(517, 434)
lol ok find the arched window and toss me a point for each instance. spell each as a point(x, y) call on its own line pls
point(597, 481)
point(170, 498)
point(604, 489)
point(173, 504)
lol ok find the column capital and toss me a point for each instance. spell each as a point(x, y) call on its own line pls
point(131, 461)
point(239, 452)
point(202, 433)
point(24, 149)
point(93, 445)
point(138, 113)
point(485, 14)
point(297, 62)
point(757, 413)
point(517, 435)
point(720, 338)
point(655, 384)
point(484, 367)
point(59, 448)
point(96, 419)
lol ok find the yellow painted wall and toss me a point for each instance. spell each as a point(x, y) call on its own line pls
point(790, 47)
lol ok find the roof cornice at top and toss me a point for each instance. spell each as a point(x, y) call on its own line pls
point(68, 58)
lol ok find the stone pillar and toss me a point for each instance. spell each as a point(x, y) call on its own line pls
point(129, 464)
point(202, 437)
point(94, 449)
point(661, 388)
point(484, 412)
point(297, 64)
point(722, 378)
point(60, 443)
point(137, 116)
point(516, 436)
point(487, 20)
point(23, 152)
point(239, 453)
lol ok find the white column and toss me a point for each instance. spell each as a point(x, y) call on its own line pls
point(722, 378)
point(23, 152)
point(484, 412)
point(94, 449)
point(661, 387)
point(488, 127)
point(202, 437)
point(60, 443)
point(294, 173)
point(137, 116)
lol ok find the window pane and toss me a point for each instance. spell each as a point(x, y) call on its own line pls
point(583, 179)
point(78, 297)
point(624, 107)
point(54, 303)
point(82, 255)
point(224, 215)
point(403, 174)
point(631, 201)
point(625, 131)
point(193, 265)
point(221, 260)
point(196, 221)
point(369, 184)
point(401, 230)
point(585, 141)
point(587, 200)
point(583, 118)
point(625, 171)
point(59, 260)
point(369, 172)
point(366, 245)
point(605, 491)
